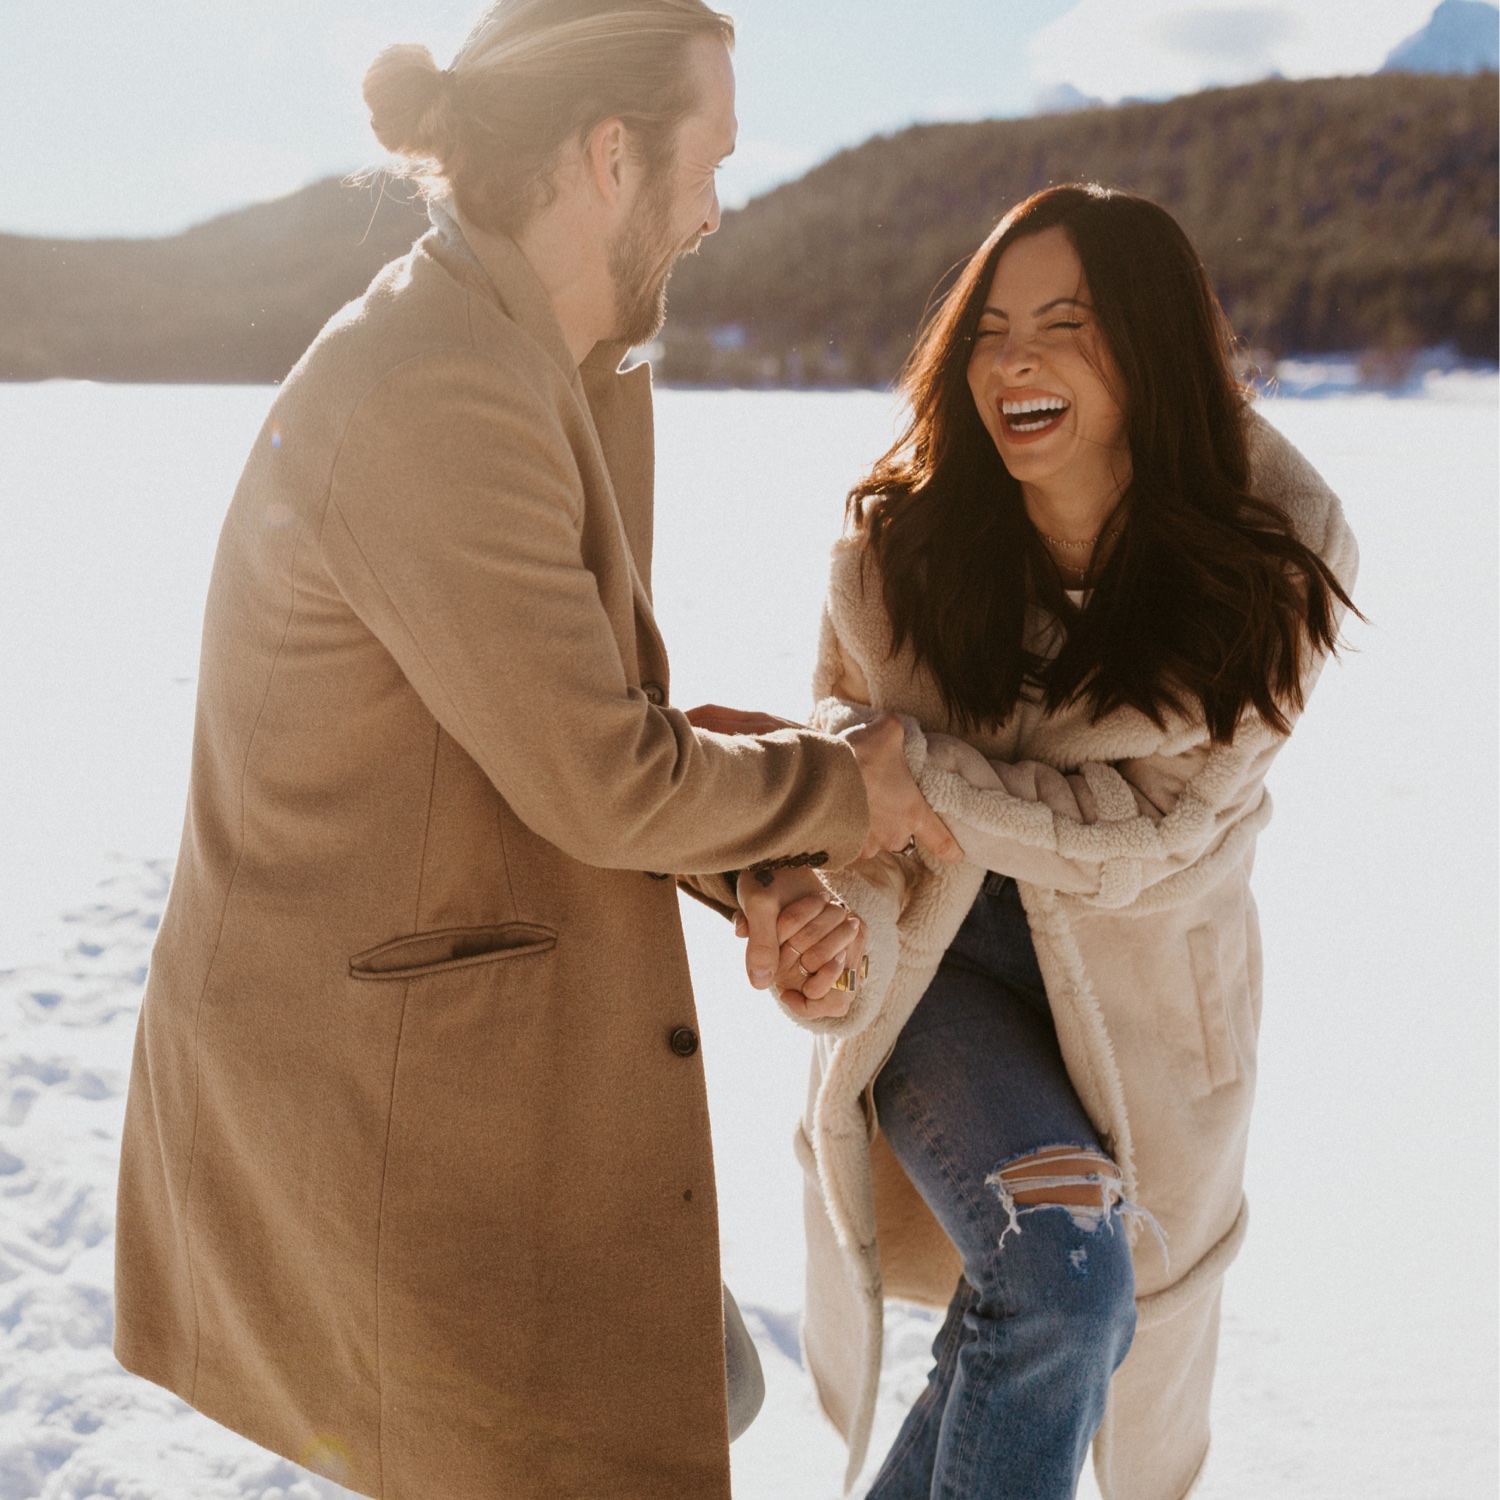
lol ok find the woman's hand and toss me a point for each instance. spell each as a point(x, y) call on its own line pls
point(899, 814)
point(719, 720)
point(801, 941)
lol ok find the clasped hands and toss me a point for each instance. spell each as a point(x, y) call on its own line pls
point(800, 938)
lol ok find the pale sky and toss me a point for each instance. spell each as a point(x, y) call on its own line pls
point(1148, 48)
point(143, 118)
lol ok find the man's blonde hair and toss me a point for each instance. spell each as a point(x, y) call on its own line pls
point(533, 76)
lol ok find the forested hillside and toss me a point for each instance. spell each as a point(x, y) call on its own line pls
point(1353, 214)
point(1337, 214)
point(234, 300)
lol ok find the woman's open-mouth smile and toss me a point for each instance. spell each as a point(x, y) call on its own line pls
point(1027, 419)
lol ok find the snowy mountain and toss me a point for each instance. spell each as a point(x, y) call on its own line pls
point(1463, 36)
point(1064, 99)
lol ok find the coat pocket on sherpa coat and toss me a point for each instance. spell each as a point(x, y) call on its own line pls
point(1221, 1056)
point(450, 948)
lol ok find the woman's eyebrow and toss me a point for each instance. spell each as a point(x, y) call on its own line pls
point(1046, 307)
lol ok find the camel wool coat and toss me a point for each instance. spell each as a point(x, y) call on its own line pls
point(416, 1185)
point(1132, 846)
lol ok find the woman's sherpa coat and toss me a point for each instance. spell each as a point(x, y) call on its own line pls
point(1132, 846)
point(416, 1184)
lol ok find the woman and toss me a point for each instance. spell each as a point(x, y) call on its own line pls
point(1099, 589)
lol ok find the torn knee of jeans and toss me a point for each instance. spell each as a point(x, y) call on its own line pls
point(1081, 1180)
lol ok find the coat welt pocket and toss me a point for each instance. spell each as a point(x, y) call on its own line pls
point(1220, 1055)
point(450, 948)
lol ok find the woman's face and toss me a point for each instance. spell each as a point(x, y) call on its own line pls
point(1043, 378)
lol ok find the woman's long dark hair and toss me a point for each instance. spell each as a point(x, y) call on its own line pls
point(1207, 603)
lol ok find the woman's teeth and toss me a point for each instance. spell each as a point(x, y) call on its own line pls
point(1033, 415)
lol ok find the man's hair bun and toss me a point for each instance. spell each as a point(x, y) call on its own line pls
point(407, 96)
point(534, 77)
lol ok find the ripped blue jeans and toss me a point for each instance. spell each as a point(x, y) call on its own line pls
point(1045, 1309)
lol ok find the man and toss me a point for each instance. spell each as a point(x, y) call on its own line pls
point(416, 1184)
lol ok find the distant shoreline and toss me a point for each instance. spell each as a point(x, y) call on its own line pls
point(1297, 378)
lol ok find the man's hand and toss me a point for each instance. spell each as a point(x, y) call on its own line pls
point(719, 720)
point(801, 940)
point(898, 811)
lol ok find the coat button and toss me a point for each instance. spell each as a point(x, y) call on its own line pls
point(684, 1041)
point(655, 692)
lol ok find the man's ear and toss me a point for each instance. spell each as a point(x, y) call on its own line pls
point(606, 158)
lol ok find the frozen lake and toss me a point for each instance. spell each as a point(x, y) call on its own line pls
point(1359, 1347)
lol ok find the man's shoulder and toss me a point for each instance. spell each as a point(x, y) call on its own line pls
point(422, 314)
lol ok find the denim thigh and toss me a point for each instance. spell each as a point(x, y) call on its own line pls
point(977, 1078)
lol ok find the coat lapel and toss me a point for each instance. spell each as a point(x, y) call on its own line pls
point(616, 406)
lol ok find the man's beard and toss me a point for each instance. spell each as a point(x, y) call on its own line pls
point(640, 263)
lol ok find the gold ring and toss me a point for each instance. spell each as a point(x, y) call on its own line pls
point(846, 980)
point(806, 973)
point(797, 951)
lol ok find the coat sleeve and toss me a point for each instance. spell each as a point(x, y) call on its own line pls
point(1095, 833)
point(455, 530)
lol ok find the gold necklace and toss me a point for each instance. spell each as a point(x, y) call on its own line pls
point(1057, 541)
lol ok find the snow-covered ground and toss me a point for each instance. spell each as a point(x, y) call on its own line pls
point(1359, 1347)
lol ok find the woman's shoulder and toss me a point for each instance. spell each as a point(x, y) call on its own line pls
point(1281, 474)
point(851, 558)
point(856, 584)
point(855, 600)
point(854, 605)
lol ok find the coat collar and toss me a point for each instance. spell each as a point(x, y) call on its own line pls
point(512, 281)
point(516, 287)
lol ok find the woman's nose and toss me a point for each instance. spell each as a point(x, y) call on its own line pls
point(1017, 358)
